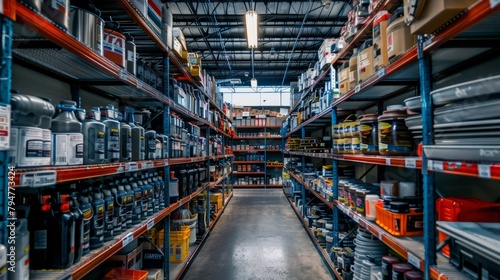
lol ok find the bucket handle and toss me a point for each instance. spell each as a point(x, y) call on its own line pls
point(348, 118)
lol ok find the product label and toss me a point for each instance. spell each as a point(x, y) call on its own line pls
point(23, 267)
point(60, 149)
point(47, 145)
point(352, 76)
point(113, 43)
point(40, 240)
point(13, 148)
point(34, 148)
point(4, 127)
point(390, 42)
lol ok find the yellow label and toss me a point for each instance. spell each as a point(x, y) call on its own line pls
point(100, 133)
point(87, 214)
point(27, 248)
point(114, 130)
point(100, 209)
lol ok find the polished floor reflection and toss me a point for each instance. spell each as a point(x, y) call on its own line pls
point(258, 237)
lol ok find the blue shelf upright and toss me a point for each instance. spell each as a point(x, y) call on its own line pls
point(335, 187)
point(166, 169)
point(428, 139)
point(304, 211)
point(7, 173)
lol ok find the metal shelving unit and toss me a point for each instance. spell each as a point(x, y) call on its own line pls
point(447, 52)
point(69, 60)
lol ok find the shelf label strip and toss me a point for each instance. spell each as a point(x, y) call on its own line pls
point(410, 163)
point(150, 224)
point(127, 239)
point(494, 3)
point(484, 171)
point(413, 260)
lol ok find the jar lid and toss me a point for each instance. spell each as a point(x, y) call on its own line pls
point(390, 259)
point(369, 118)
point(393, 114)
point(401, 267)
point(397, 107)
point(414, 275)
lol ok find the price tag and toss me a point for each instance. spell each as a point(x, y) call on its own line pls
point(381, 73)
point(150, 224)
point(484, 171)
point(38, 179)
point(131, 166)
point(5, 127)
point(357, 88)
point(123, 74)
point(140, 84)
point(388, 161)
point(147, 165)
point(437, 165)
point(127, 239)
point(413, 260)
point(361, 223)
point(380, 236)
point(494, 3)
point(411, 163)
point(355, 218)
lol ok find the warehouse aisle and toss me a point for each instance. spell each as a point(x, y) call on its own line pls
point(258, 237)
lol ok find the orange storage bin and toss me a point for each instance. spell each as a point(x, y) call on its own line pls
point(126, 274)
point(400, 224)
point(452, 209)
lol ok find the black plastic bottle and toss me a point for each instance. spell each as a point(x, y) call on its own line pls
point(62, 236)
point(126, 200)
point(86, 209)
point(75, 208)
point(97, 221)
point(145, 203)
point(137, 213)
point(112, 139)
point(129, 209)
point(109, 211)
point(39, 222)
point(125, 139)
point(156, 192)
point(148, 194)
point(120, 216)
point(138, 139)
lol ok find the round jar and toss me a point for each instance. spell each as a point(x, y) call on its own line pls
point(356, 146)
point(370, 201)
point(352, 197)
point(387, 263)
point(347, 145)
point(360, 200)
point(368, 129)
point(399, 269)
point(394, 138)
point(414, 275)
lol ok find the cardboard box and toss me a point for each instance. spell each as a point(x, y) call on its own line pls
point(380, 55)
point(344, 85)
point(365, 63)
point(152, 259)
point(155, 14)
point(177, 48)
point(326, 47)
point(127, 261)
point(138, 257)
point(180, 36)
point(435, 14)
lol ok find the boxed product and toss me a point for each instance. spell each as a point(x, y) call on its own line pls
point(155, 14)
point(180, 36)
point(326, 47)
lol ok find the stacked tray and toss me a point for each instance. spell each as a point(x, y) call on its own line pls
point(466, 121)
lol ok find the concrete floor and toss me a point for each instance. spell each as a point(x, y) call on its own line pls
point(258, 237)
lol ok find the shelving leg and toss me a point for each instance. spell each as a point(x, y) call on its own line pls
point(335, 188)
point(303, 135)
point(5, 86)
point(428, 178)
point(166, 171)
point(265, 158)
point(208, 172)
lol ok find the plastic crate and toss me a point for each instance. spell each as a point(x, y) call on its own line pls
point(126, 274)
point(400, 224)
point(179, 244)
point(452, 209)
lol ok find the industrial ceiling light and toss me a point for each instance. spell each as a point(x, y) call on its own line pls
point(253, 83)
point(251, 24)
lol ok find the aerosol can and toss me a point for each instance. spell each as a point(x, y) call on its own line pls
point(109, 116)
point(86, 208)
point(125, 140)
point(97, 221)
point(94, 133)
point(109, 211)
point(62, 236)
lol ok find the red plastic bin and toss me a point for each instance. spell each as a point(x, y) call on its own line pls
point(452, 209)
point(126, 274)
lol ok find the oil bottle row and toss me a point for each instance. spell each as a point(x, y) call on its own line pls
point(67, 222)
point(185, 139)
point(42, 134)
point(186, 180)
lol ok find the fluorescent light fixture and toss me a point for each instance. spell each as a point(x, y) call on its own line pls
point(253, 83)
point(251, 23)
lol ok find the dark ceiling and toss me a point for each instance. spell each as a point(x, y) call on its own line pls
point(290, 34)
